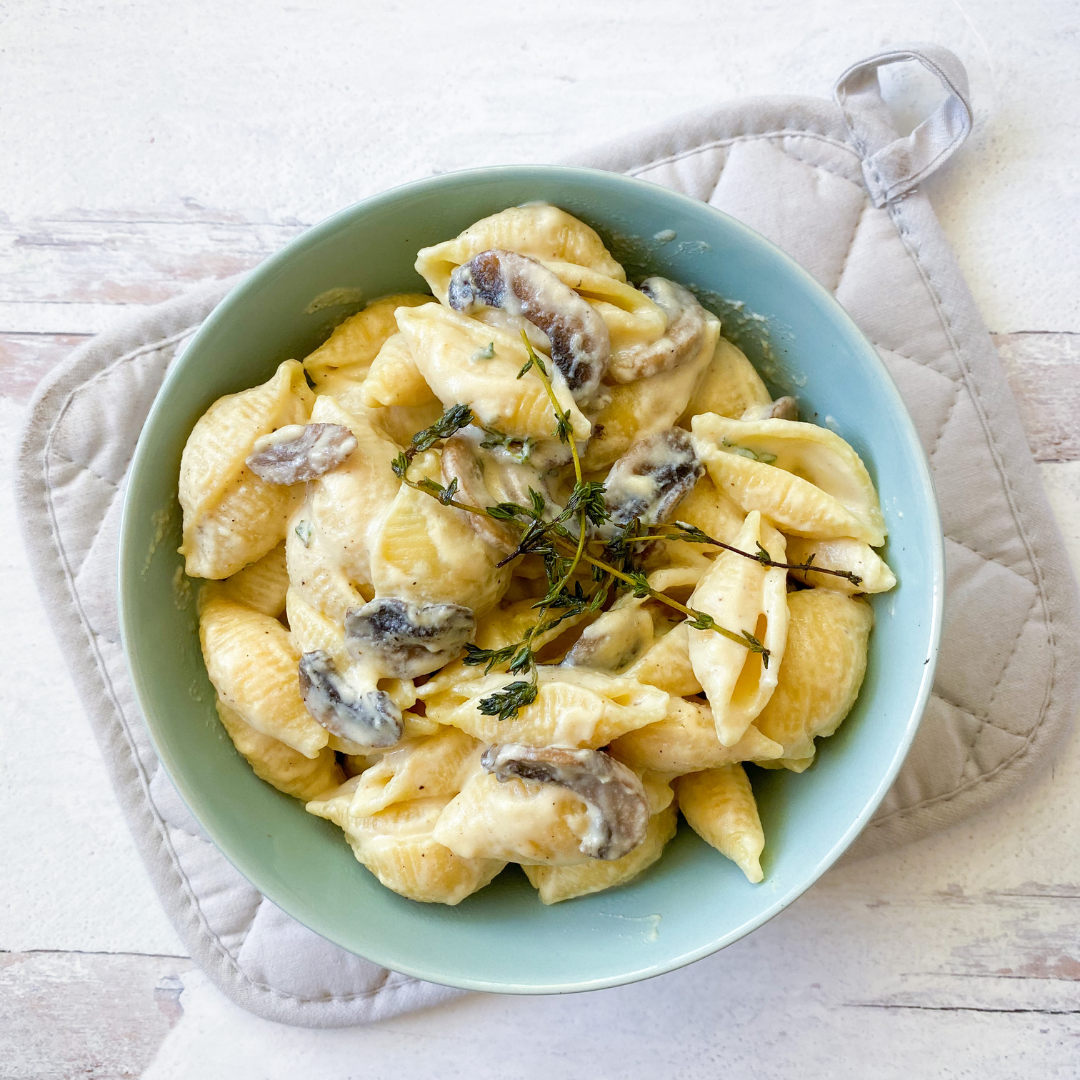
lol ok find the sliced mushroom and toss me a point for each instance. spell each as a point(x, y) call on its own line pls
point(366, 717)
point(300, 452)
point(650, 479)
point(783, 408)
point(488, 476)
point(682, 340)
point(406, 639)
point(580, 344)
point(460, 463)
point(615, 641)
point(617, 804)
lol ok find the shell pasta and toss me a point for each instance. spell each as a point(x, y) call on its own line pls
point(520, 570)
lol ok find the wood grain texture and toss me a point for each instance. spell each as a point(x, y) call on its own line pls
point(26, 358)
point(100, 1015)
point(1043, 370)
point(129, 256)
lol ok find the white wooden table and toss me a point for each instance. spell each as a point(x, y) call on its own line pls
point(145, 148)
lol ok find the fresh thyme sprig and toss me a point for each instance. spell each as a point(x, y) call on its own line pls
point(505, 703)
point(563, 552)
point(450, 423)
point(587, 504)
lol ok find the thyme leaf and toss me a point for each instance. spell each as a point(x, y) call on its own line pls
point(451, 422)
point(588, 497)
point(518, 449)
point(506, 702)
point(640, 584)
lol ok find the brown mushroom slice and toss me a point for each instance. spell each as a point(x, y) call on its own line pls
point(367, 718)
point(300, 452)
point(616, 640)
point(459, 462)
point(783, 408)
point(617, 805)
point(681, 341)
point(405, 639)
point(652, 477)
point(580, 344)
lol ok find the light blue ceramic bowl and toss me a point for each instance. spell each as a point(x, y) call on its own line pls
point(693, 901)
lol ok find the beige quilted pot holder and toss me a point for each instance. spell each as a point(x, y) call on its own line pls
point(835, 187)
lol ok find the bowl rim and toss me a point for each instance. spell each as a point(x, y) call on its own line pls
point(250, 868)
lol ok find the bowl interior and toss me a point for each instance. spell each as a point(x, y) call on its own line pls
point(693, 901)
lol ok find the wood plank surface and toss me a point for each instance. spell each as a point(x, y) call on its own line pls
point(26, 358)
point(1044, 372)
point(128, 256)
point(68, 1015)
point(79, 272)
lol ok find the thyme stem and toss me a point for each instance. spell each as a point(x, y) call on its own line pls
point(689, 612)
point(561, 418)
point(692, 534)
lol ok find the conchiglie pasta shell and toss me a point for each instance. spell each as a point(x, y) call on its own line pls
point(349, 351)
point(253, 666)
point(394, 378)
point(557, 883)
point(401, 422)
point(814, 483)
point(708, 509)
point(231, 517)
point(823, 669)
point(719, 805)
point(667, 664)
point(445, 344)
point(841, 554)
point(658, 789)
point(510, 621)
point(344, 509)
point(279, 765)
point(514, 821)
point(315, 569)
point(729, 386)
point(396, 845)
point(639, 408)
point(573, 708)
point(449, 688)
point(744, 597)
point(541, 231)
point(431, 767)
point(310, 629)
point(262, 585)
point(334, 805)
point(631, 318)
point(685, 741)
point(428, 553)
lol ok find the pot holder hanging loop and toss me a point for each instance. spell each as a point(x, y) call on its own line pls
point(891, 165)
